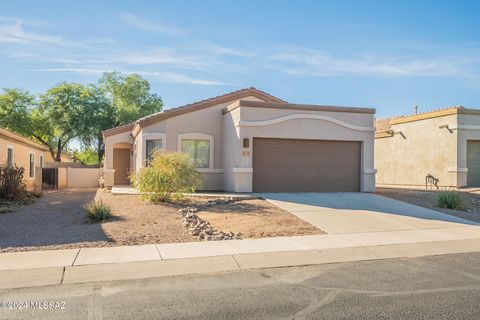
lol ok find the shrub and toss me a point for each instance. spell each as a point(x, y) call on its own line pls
point(450, 199)
point(6, 207)
point(168, 175)
point(12, 185)
point(98, 211)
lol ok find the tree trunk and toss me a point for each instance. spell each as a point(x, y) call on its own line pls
point(59, 151)
point(100, 149)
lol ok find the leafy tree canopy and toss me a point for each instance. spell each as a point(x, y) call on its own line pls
point(70, 111)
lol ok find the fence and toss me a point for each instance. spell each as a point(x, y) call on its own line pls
point(62, 177)
point(83, 177)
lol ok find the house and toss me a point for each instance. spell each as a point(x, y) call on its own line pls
point(22, 152)
point(444, 144)
point(64, 157)
point(249, 140)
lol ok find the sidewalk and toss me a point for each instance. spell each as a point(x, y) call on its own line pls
point(38, 268)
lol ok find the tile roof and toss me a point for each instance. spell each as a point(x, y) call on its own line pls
point(162, 115)
point(382, 125)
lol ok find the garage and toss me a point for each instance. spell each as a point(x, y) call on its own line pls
point(473, 163)
point(294, 165)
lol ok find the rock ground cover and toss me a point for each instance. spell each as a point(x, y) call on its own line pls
point(428, 199)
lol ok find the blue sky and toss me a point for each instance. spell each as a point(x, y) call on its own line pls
point(382, 54)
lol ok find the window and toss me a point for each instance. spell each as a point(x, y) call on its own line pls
point(10, 156)
point(199, 151)
point(31, 166)
point(41, 161)
point(151, 146)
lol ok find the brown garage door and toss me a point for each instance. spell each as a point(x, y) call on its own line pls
point(473, 163)
point(289, 165)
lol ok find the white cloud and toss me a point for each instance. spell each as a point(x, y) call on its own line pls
point(310, 62)
point(219, 50)
point(146, 25)
point(84, 71)
point(13, 31)
point(159, 56)
point(162, 76)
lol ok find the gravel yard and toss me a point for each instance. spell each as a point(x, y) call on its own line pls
point(57, 221)
point(428, 199)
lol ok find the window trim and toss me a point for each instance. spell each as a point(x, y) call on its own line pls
point(9, 146)
point(33, 165)
point(199, 136)
point(41, 160)
point(151, 136)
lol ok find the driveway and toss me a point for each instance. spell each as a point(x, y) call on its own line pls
point(339, 213)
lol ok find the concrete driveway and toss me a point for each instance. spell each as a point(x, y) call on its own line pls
point(339, 213)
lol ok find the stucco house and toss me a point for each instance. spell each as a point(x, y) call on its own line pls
point(248, 140)
point(23, 152)
point(442, 143)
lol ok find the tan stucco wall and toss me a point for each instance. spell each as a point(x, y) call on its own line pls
point(21, 157)
point(238, 171)
point(205, 121)
point(62, 178)
point(425, 149)
point(83, 177)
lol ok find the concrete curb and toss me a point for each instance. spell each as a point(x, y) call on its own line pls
point(225, 263)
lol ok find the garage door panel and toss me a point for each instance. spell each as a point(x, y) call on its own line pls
point(289, 165)
point(302, 158)
point(473, 163)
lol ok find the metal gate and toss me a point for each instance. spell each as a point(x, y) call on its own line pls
point(49, 178)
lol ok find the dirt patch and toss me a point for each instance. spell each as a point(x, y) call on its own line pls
point(428, 199)
point(140, 222)
point(256, 218)
point(58, 221)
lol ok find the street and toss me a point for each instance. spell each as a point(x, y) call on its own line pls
point(437, 287)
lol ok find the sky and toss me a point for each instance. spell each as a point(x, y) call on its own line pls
point(388, 55)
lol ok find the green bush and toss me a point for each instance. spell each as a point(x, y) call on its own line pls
point(98, 211)
point(12, 185)
point(450, 199)
point(168, 175)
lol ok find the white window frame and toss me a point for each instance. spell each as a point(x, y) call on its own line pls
point(152, 136)
point(9, 146)
point(41, 160)
point(199, 136)
point(29, 155)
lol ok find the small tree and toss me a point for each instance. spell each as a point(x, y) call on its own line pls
point(168, 174)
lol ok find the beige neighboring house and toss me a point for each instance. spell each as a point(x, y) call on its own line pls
point(248, 140)
point(443, 143)
point(65, 157)
point(23, 152)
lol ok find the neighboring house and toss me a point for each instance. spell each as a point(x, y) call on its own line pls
point(22, 152)
point(442, 143)
point(248, 140)
point(65, 157)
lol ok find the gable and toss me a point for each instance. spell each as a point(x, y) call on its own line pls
point(250, 93)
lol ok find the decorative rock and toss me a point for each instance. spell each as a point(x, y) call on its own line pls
point(201, 228)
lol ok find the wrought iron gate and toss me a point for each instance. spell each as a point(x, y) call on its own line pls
point(49, 178)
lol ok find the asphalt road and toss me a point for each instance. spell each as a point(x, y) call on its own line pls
point(441, 287)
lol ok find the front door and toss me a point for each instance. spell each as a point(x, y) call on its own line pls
point(121, 164)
